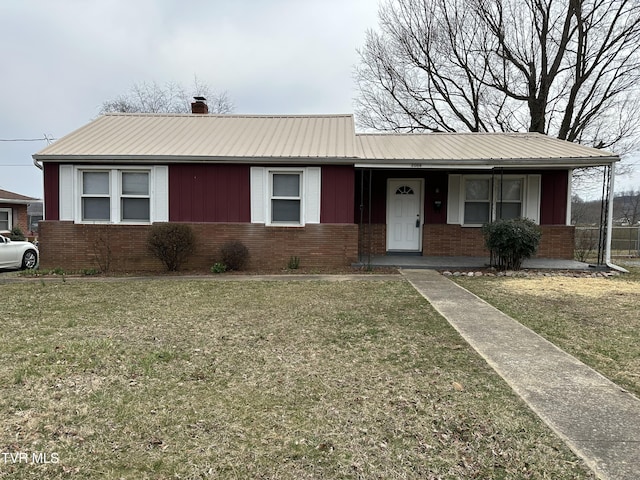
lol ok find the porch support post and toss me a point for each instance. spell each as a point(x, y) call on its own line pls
point(569, 195)
point(607, 254)
point(360, 227)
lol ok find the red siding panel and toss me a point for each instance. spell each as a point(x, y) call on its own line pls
point(337, 197)
point(553, 197)
point(437, 188)
point(51, 191)
point(209, 193)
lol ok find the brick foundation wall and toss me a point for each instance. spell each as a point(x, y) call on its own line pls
point(452, 240)
point(558, 241)
point(373, 239)
point(441, 240)
point(81, 246)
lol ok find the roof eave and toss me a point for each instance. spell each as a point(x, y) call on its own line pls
point(488, 163)
point(151, 159)
point(19, 202)
point(359, 162)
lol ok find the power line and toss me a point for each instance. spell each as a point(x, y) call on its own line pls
point(45, 138)
point(22, 139)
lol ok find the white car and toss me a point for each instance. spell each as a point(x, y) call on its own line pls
point(17, 254)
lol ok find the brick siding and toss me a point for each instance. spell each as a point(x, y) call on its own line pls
point(453, 240)
point(373, 239)
point(82, 246)
point(18, 216)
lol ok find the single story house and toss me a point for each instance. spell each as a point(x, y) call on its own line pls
point(13, 211)
point(307, 186)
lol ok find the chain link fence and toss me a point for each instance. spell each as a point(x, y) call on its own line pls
point(625, 242)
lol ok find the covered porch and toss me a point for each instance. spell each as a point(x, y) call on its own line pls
point(423, 203)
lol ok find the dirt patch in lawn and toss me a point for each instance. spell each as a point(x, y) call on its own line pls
point(595, 319)
point(586, 288)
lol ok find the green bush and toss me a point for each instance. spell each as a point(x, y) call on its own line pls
point(17, 235)
point(235, 255)
point(171, 243)
point(511, 241)
point(218, 268)
point(294, 263)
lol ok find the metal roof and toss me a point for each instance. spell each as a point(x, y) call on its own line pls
point(189, 136)
point(304, 139)
point(477, 149)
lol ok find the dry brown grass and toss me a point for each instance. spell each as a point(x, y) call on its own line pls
point(595, 319)
point(281, 380)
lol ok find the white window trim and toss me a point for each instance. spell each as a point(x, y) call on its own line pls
point(493, 200)
point(115, 193)
point(301, 196)
point(260, 186)
point(9, 218)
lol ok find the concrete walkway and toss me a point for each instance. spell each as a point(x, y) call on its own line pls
point(597, 419)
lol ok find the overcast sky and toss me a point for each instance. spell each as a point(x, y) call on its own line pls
point(61, 59)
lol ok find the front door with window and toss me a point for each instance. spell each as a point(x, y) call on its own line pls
point(404, 215)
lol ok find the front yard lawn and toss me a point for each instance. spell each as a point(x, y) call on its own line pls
point(595, 319)
point(245, 379)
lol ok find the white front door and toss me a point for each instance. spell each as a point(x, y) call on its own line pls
point(404, 215)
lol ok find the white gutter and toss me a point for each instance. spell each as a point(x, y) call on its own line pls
point(422, 166)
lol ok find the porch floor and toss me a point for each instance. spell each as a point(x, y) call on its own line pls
point(408, 261)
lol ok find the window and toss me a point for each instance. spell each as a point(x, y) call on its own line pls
point(509, 199)
point(404, 190)
point(96, 203)
point(477, 203)
point(486, 199)
point(135, 197)
point(115, 195)
point(286, 198)
point(475, 199)
point(5, 219)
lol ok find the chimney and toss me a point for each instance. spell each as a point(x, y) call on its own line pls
point(199, 107)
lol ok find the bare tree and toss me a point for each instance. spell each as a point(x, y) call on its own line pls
point(566, 68)
point(628, 204)
point(170, 98)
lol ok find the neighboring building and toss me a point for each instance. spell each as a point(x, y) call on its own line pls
point(13, 211)
point(35, 213)
point(304, 186)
